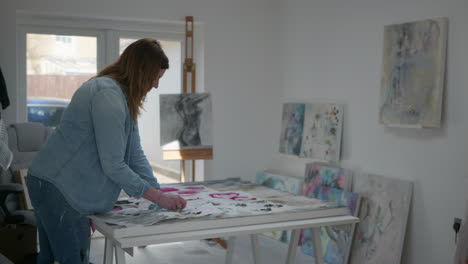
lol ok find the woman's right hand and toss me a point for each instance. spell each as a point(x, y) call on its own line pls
point(171, 202)
point(165, 200)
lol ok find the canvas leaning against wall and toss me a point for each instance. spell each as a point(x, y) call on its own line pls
point(336, 240)
point(318, 175)
point(383, 216)
point(322, 132)
point(283, 183)
point(312, 130)
point(413, 73)
point(186, 121)
point(292, 125)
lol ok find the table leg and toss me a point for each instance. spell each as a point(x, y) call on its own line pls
point(119, 255)
point(293, 246)
point(230, 249)
point(318, 253)
point(129, 251)
point(255, 248)
point(108, 251)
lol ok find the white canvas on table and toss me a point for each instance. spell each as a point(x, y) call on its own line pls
point(413, 73)
point(322, 132)
point(186, 120)
point(207, 203)
point(383, 216)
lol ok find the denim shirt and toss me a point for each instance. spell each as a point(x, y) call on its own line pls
point(95, 151)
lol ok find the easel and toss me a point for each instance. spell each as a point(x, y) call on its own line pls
point(190, 154)
point(188, 80)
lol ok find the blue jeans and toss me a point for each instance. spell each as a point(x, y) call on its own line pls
point(64, 234)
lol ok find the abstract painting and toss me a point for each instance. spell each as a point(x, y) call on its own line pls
point(383, 216)
point(283, 183)
point(312, 130)
point(322, 132)
point(205, 202)
point(335, 240)
point(291, 129)
point(413, 73)
point(186, 120)
point(318, 175)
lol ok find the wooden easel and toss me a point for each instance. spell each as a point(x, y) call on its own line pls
point(189, 79)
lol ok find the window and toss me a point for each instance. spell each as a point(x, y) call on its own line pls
point(56, 60)
point(54, 70)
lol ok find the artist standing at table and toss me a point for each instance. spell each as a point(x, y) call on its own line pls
point(94, 153)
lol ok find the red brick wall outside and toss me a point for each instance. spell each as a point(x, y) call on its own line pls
point(55, 86)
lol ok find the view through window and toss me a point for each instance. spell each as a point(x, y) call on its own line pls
point(57, 65)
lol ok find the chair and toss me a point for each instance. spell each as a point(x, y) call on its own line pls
point(17, 225)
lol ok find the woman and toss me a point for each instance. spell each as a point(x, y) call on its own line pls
point(94, 153)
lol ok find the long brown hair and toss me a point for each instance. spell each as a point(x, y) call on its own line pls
point(136, 69)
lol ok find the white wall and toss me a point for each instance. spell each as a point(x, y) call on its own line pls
point(332, 50)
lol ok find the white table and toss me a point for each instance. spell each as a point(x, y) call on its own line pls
point(122, 239)
point(119, 240)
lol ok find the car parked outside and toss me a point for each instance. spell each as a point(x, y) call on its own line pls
point(47, 111)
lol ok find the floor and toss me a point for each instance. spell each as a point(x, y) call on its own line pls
point(203, 252)
point(200, 251)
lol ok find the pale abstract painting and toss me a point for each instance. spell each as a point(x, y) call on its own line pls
point(291, 129)
point(322, 132)
point(383, 216)
point(336, 240)
point(186, 120)
point(283, 183)
point(413, 73)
